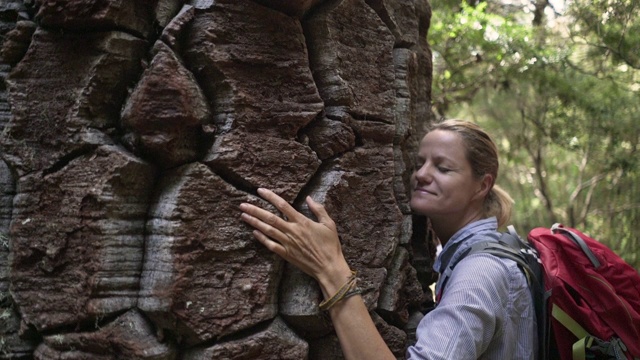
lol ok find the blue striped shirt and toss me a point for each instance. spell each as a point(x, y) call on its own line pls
point(486, 310)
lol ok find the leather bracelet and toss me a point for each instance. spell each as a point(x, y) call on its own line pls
point(347, 290)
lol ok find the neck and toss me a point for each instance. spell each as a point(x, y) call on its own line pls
point(446, 226)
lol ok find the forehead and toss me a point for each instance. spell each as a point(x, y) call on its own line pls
point(442, 143)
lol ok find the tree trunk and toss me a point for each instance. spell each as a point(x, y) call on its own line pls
point(135, 130)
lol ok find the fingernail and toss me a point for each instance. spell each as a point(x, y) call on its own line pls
point(242, 206)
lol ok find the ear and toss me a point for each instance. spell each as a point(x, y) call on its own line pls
point(485, 186)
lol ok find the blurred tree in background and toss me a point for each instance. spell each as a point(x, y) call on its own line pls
point(557, 84)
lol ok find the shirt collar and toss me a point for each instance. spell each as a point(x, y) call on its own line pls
point(464, 238)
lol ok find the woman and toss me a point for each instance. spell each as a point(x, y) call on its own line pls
point(485, 310)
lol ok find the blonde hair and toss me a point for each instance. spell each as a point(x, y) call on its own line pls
point(482, 154)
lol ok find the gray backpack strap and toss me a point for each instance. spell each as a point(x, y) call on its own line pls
point(500, 248)
point(512, 246)
point(556, 228)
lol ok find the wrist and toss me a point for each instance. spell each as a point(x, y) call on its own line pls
point(348, 289)
point(333, 278)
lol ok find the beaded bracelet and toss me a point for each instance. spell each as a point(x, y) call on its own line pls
point(347, 290)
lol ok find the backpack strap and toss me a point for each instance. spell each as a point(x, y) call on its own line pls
point(490, 247)
point(556, 228)
point(614, 348)
point(511, 246)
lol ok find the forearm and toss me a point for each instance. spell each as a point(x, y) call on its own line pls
point(358, 335)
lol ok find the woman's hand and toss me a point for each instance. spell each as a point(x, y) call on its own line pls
point(313, 247)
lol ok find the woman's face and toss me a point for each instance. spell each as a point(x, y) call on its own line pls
point(443, 183)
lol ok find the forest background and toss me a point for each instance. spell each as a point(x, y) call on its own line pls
point(557, 85)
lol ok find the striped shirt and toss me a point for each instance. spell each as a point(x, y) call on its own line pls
point(486, 310)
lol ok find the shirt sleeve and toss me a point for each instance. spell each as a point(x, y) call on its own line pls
point(471, 311)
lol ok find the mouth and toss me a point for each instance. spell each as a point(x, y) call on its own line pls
point(423, 191)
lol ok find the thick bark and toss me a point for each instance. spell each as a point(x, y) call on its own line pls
point(132, 130)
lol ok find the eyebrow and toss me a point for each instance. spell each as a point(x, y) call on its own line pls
point(436, 157)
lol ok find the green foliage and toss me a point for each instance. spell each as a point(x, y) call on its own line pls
point(473, 48)
point(611, 27)
point(561, 103)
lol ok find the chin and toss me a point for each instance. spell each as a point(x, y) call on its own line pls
point(417, 209)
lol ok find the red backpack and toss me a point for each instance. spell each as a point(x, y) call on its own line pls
point(594, 296)
point(587, 299)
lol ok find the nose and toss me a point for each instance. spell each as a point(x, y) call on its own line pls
point(424, 173)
